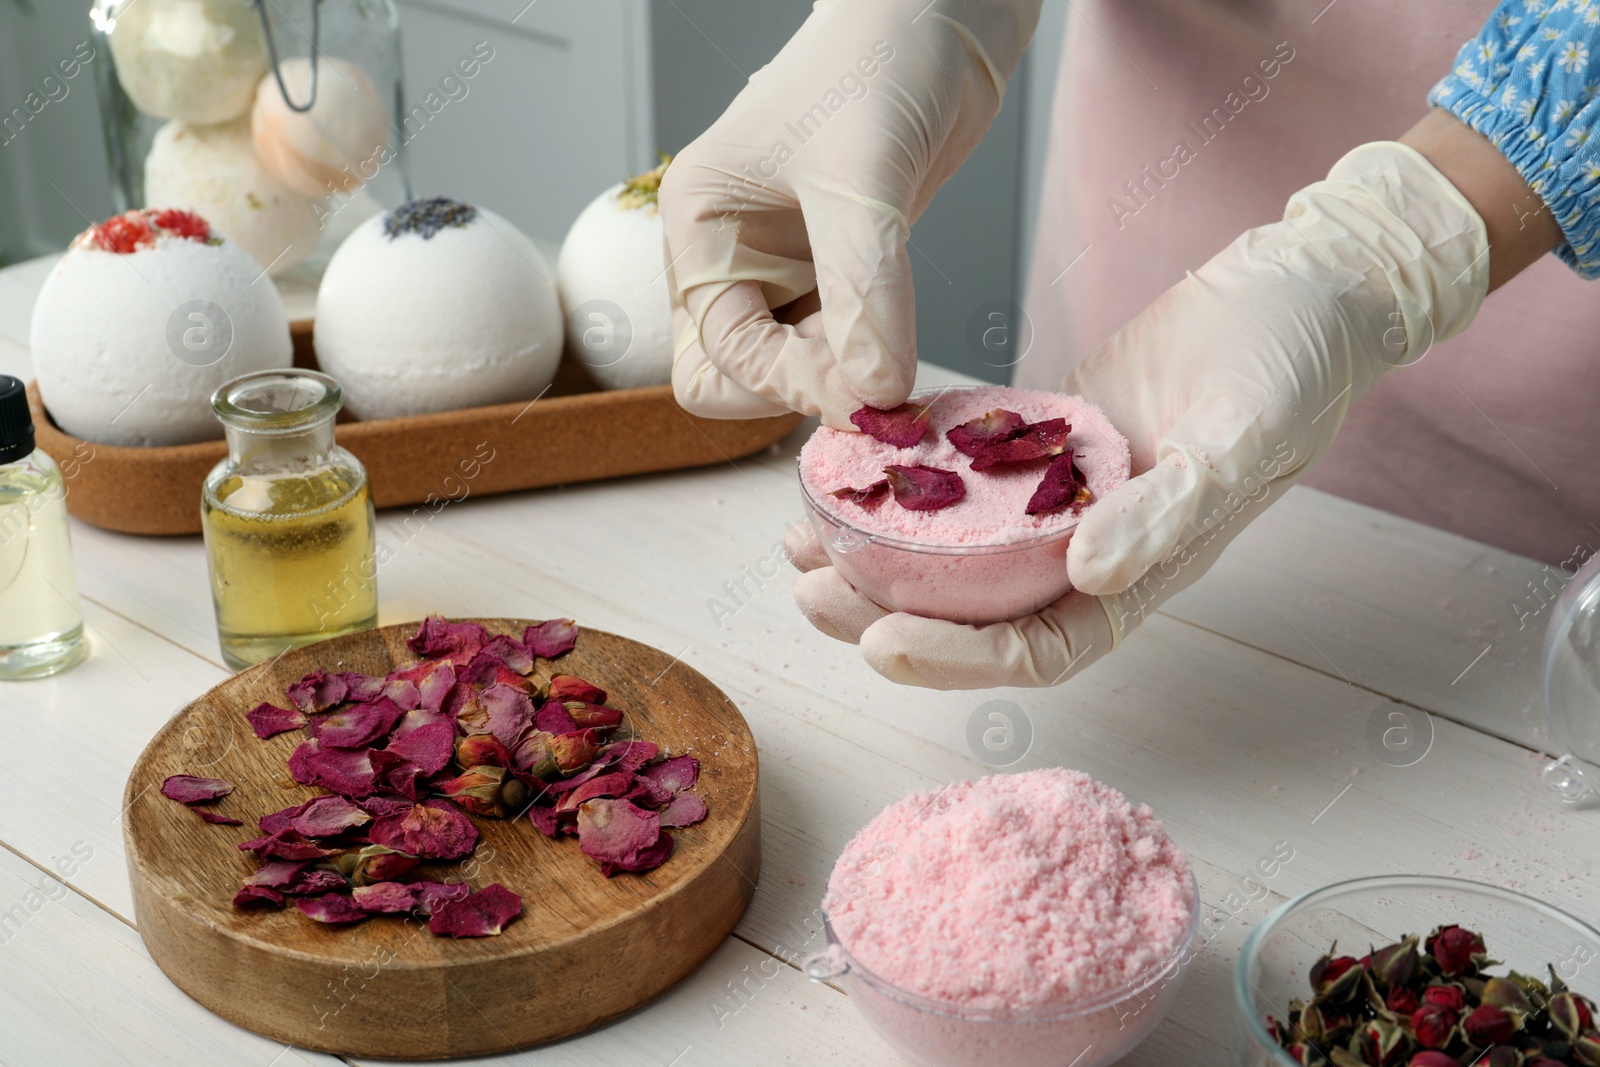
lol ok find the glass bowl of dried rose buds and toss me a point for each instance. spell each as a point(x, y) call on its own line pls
point(1417, 971)
point(959, 503)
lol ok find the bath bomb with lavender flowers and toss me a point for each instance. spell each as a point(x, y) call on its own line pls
point(332, 148)
point(213, 171)
point(613, 260)
point(434, 306)
point(193, 60)
point(143, 318)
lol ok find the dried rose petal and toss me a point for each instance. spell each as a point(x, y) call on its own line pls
point(187, 789)
point(869, 498)
point(433, 679)
point(618, 833)
point(428, 747)
point(677, 774)
point(318, 691)
point(336, 909)
point(924, 488)
point(483, 914)
point(628, 755)
point(257, 897)
point(553, 718)
point(380, 805)
point(595, 716)
point(431, 896)
point(551, 638)
point(465, 706)
point(498, 651)
point(571, 687)
point(510, 713)
point(269, 719)
point(415, 719)
point(615, 784)
point(327, 816)
point(482, 750)
point(684, 809)
point(315, 880)
point(434, 829)
point(350, 772)
point(1038, 441)
point(181, 223)
point(275, 874)
point(901, 426)
point(1061, 485)
point(647, 860)
point(286, 845)
point(438, 637)
point(550, 821)
point(362, 687)
point(647, 793)
point(213, 817)
point(385, 898)
point(358, 725)
point(986, 430)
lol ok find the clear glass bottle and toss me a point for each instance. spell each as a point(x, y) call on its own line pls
point(41, 628)
point(287, 518)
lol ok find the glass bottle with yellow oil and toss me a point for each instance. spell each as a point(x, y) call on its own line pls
point(288, 520)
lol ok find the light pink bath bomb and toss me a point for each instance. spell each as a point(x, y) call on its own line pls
point(976, 588)
point(1014, 891)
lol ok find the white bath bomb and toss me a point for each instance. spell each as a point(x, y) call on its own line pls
point(334, 147)
point(435, 306)
point(193, 60)
point(213, 171)
point(612, 262)
point(138, 325)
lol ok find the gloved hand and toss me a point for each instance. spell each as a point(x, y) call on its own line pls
point(807, 186)
point(1228, 387)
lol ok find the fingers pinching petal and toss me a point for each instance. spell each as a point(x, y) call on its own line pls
point(833, 606)
point(804, 548)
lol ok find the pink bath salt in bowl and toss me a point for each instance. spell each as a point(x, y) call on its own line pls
point(1033, 920)
point(983, 559)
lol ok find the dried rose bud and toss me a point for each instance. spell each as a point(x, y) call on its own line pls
point(1488, 1025)
point(593, 716)
point(1506, 994)
point(1402, 1000)
point(1434, 1025)
point(1446, 996)
point(1305, 1054)
point(373, 863)
point(482, 750)
point(1570, 1014)
point(574, 751)
point(1585, 1049)
point(1432, 1058)
point(1499, 1056)
point(1383, 1043)
point(1335, 977)
point(1309, 1026)
point(902, 426)
point(534, 756)
point(487, 790)
point(1394, 965)
point(1454, 948)
point(923, 488)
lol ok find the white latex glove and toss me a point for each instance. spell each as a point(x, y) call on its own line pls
point(1228, 387)
point(807, 187)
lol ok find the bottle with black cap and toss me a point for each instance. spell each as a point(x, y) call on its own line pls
point(41, 629)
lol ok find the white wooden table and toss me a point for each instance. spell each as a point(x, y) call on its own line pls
point(1240, 713)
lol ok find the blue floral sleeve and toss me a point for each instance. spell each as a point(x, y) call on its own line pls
point(1530, 82)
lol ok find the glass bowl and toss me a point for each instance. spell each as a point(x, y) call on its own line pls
point(1090, 1033)
point(971, 584)
point(1521, 932)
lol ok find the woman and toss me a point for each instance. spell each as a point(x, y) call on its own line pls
point(1235, 381)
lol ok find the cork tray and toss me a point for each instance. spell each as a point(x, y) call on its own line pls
point(585, 949)
point(574, 433)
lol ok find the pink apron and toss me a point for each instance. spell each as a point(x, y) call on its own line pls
point(1490, 434)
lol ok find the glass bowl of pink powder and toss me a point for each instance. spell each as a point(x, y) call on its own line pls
point(1034, 920)
point(983, 559)
point(1523, 934)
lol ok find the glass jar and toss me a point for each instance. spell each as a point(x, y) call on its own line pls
point(41, 629)
point(274, 121)
point(287, 518)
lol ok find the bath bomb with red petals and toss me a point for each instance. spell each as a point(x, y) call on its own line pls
point(213, 171)
point(140, 322)
point(435, 306)
point(332, 148)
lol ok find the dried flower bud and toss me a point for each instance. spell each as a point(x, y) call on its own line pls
point(1383, 1043)
point(1585, 1049)
point(482, 750)
point(1394, 965)
point(1446, 996)
point(1456, 949)
point(486, 790)
point(1499, 1056)
point(1506, 994)
point(574, 751)
point(570, 687)
point(1488, 1025)
point(1434, 1025)
point(373, 863)
point(1305, 1054)
point(1335, 977)
point(1402, 1000)
point(1570, 1014)
point(1431, 1058)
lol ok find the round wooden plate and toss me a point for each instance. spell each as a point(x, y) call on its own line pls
point(585, 949)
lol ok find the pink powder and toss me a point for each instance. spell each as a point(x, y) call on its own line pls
point(981, 560)
point(1023, 896)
